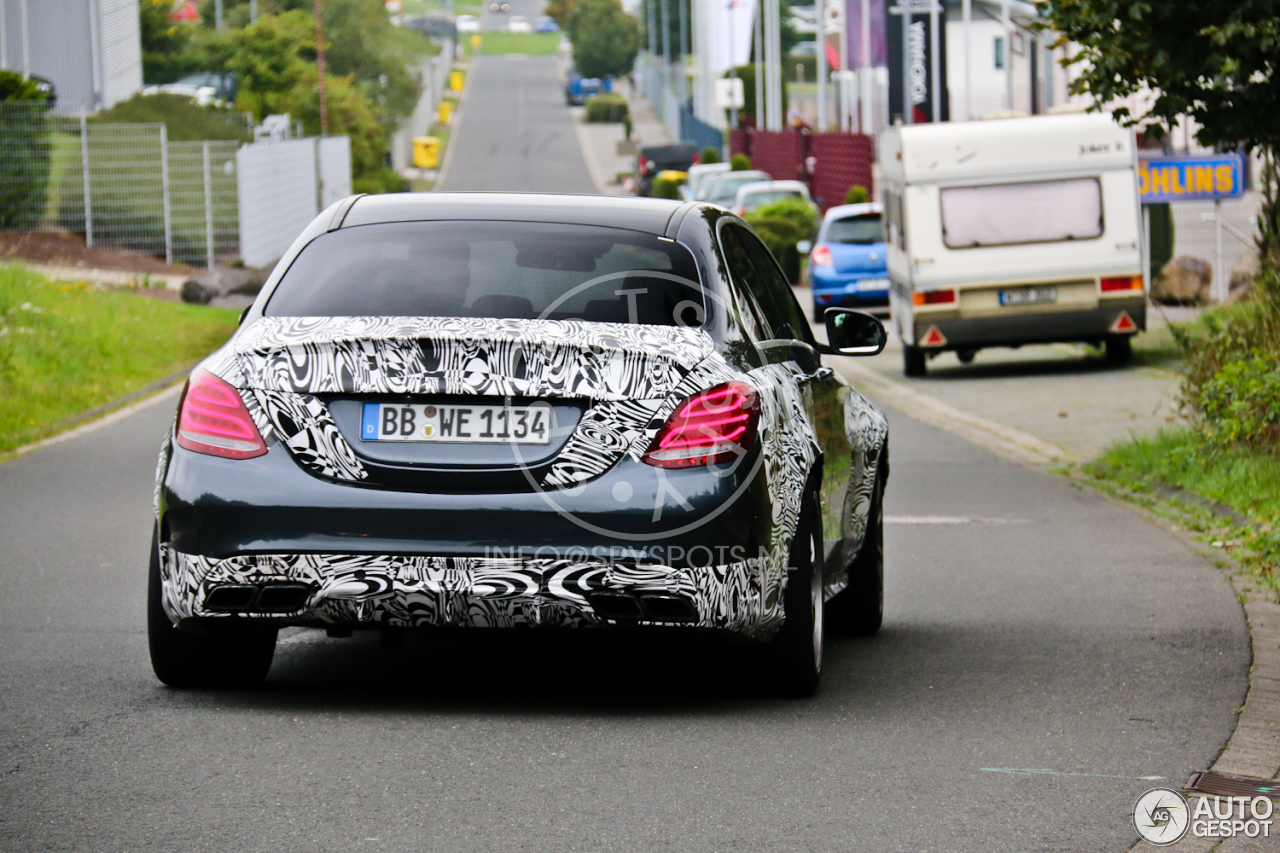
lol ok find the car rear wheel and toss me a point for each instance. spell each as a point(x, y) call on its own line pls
point(859, 609)
point(231, 655)
point(913, 361)
point(794, 657)
point(1119, 349)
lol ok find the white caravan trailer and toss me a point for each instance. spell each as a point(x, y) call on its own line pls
point(1013, 231)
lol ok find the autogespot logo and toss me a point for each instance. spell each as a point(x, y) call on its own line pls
point(668, 501)
point(1161, 816)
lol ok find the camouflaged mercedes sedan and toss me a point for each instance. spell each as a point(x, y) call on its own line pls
point(493, 411)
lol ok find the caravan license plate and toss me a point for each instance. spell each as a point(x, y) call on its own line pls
point(445, 423)
point(1029, 295)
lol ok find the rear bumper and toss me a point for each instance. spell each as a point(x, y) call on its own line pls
point(518, 589)
point(834, 289)
point(350, 555)
point(1090, 325)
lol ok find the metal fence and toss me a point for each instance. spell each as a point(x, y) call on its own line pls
point(127, 185)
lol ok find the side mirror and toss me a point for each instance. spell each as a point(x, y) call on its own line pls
point(852, 332)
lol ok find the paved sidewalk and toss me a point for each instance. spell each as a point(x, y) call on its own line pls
point(600, 141)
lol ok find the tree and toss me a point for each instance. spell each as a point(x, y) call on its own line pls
point(270, 59)
point(560, 10)
point(605, 38)
point(26, 141)
point(1214, 62)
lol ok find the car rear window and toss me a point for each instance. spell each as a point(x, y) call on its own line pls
point(517, 270)
point(1032, 212)
point(862, 229)
point(753, 200)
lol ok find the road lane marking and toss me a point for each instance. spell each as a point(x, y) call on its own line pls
point(1028, 771)
point(998, 438)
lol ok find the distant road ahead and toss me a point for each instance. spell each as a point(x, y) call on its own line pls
point(514, 131)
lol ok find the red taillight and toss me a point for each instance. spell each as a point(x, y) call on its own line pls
point(821, 257)
point(717, 425)
point(213, 420)
point(1124, 282)
point(697, 158)
point(932, 297)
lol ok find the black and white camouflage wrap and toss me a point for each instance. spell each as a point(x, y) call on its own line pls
point(480, 592)
point(633, 377)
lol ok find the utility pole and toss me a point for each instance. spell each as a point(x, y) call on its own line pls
point(762, 122)
point(324, 107)
point(253, 11)
point(217, 15)
point(823, 75)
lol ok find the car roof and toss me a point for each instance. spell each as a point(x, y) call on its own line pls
point(772, 186)
point(843, 210)
point(637, 214)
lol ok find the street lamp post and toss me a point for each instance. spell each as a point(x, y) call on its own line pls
point(324, 107)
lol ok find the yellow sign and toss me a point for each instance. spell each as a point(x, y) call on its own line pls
point(1165, 179)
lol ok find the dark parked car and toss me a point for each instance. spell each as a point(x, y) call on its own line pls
point(492, 411)
point(652, 159)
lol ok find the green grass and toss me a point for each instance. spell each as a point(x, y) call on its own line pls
point(532, 44)
point(1247, 480)
point(66, 348)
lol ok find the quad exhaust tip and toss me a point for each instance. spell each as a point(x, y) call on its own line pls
point(255, 598)
point(653, 607)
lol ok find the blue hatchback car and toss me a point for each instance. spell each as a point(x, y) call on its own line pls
point(848, 266)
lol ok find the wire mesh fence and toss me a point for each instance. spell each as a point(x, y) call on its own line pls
point(118, 184)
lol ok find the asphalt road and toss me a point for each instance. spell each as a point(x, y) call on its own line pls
point(1029, 627)
point(515, 132)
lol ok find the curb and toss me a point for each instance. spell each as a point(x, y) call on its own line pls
point(109, 413)
point(453, 130)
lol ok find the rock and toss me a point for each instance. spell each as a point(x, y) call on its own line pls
point(222, 281)
point(1183, 281)
point(1246, 269)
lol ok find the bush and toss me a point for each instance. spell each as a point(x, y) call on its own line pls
point(1161, 237)
point(1231, 384)
point(607, 109)
point(384, 180)
point(711, 154)
point(1241, 403)
point(739, 163)
point(800, 214)
point(665, 188)
point(183, 118)
point(24, 138)
point(856, 195)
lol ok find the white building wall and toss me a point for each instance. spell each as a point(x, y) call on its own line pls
point(121, 50)
point(90, 50)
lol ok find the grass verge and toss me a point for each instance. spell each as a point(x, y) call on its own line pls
point(1231, 497)
point(66, 348)
point(529, 44)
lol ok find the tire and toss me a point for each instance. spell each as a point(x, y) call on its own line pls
point(794, 656)
point(1119, 349)
point(859, 609)
point(966, 355)
point(819, 312)
point(913, 361)
point(234, 654)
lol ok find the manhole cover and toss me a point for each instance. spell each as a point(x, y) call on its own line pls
point(1227, 785)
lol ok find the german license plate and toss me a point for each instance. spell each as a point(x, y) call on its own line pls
point(1029, 295)
point(873, 284)
point(448, 423)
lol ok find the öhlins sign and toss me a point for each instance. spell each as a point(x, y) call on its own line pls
point(1165, 179)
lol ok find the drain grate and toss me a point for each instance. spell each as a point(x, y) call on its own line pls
point(1227, 785)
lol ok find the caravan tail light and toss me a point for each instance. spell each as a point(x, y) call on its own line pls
point(933, 297)
point(1119, 283)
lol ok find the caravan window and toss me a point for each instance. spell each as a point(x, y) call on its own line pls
point(1033, 212)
